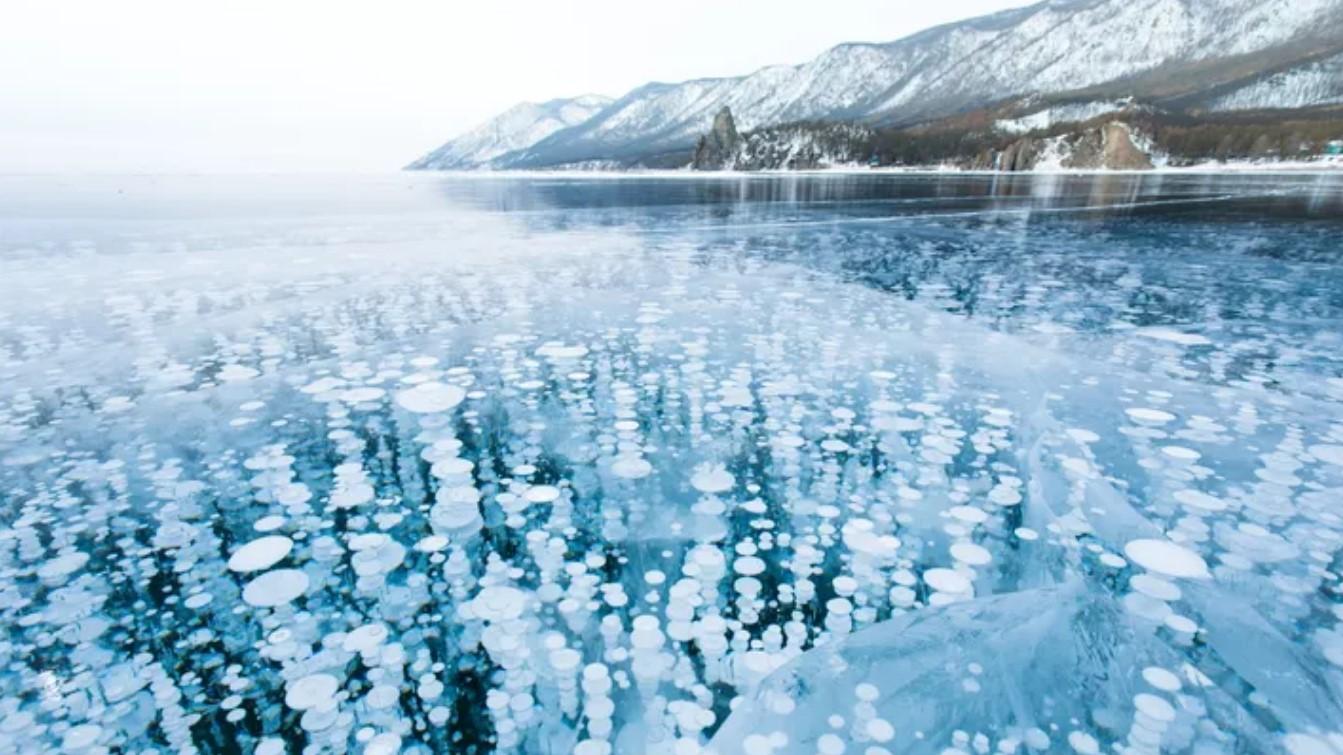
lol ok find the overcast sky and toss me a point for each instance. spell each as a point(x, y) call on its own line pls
point(330, 85)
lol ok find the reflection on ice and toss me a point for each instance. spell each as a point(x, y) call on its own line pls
point(603, 476)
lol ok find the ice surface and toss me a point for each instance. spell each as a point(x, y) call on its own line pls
point(1024, 670)
point(765, 465)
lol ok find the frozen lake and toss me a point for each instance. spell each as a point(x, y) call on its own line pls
point(782, 464)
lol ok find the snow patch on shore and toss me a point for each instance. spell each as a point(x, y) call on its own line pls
point(1051, 116)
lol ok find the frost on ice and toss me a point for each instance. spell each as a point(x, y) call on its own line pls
point(846, 487)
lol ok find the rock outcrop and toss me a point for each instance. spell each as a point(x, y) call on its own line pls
point(1108, 146)
point(717, 149)
point(792, 146)
point(1121, 152)
point(1020, 155)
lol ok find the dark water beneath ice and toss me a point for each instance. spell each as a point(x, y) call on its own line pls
point(804, 463)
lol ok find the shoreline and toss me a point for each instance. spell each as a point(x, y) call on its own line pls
point(1326, 168)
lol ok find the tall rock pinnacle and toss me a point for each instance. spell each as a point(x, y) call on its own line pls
point(716, 150)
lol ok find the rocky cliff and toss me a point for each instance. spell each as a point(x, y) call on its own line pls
point(1100, 144)
point(1129, 137)
point(793, 146)
point(1108, 146)
point(717, 149)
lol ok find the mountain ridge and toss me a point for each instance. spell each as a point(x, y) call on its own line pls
point(1056, 48)
point(515, 128)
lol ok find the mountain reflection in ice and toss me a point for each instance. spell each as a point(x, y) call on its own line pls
point(781, 464)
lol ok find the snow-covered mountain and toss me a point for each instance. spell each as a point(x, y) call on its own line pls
point(1314, 83)
point(1128, 47)
point(516, 128)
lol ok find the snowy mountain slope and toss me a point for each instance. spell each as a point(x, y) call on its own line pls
point(1316, 83)
point(1053, 47)
point(516, 128)
point(1063, 46)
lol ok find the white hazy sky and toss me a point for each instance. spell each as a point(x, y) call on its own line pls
point(330, 85)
